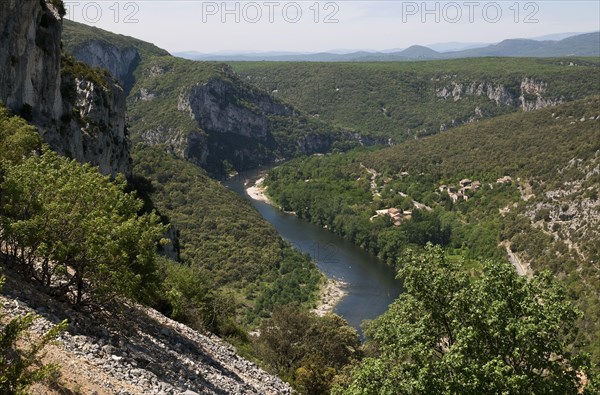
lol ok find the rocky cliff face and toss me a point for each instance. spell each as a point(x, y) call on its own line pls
point(236, 121)
point(217, 106)
point(533, 95)
point(120, 55)
point(30, 60)
point(93, 129)
point(529, 95)
point(223, 124)
point(120, 62)
point(77, 116)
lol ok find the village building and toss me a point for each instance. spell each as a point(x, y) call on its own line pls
point(504, 180)
point(397, 215)
point(458, 196)
point(461, 193)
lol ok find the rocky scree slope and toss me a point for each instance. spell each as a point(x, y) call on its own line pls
point(79, 112)
point(202, 111)
point(131, 349)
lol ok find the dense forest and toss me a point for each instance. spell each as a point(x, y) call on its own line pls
point(478, 159)
point(471, 190)
point(399, 100)
point(224, 239)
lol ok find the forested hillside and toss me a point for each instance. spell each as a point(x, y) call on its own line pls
point(514, 177)
point(231, 247)
point(202, 111)
point(78, 251)
point(399, 100)
point(523, 181)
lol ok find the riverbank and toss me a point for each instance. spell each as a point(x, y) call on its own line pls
point(369, 285)
point(334, 290)
point(257, 191)
point(331, 294)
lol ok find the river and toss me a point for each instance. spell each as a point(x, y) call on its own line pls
point(371, 284)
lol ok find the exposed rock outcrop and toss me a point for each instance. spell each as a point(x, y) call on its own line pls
point(78, 116)
point(30, 60)
point(531, 94)
point(573, 209)
point(93, 129)
point(171, 250)
point(120, 62)
point(119, 55)
point(236, 121)
point(189, 144)
point(238, 125)
point(218, 106)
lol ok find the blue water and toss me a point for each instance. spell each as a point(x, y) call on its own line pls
point(371, 284)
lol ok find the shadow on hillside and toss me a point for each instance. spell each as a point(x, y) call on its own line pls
point(130, 335)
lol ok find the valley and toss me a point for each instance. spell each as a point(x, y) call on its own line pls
point(368, 285)
point(403, 223)
point(503, 155)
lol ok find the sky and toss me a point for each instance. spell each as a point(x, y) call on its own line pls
point(315, 26)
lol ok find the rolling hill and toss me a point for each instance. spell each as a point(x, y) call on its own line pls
point(559, 45)
point(202, 111)
point(523, 183)
point(401, 100)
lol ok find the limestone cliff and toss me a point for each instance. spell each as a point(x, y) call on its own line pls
point(248, 127)
point(119, 62)
point(120, 55)
point(205, 113)
point(529, 95)
point(30, 60)
point(80, 112)
point(93, 126)
point(217, 106)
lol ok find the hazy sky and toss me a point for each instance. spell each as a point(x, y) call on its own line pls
point(311, 26)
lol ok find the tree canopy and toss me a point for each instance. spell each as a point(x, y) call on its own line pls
point(17, 138)
point(451, 333)
point(306, 349)
point(76, 231)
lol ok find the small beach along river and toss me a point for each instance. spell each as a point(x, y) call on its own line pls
point(371, 285)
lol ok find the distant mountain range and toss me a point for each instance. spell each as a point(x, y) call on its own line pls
point(555, 45)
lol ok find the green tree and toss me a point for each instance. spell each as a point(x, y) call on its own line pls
point(194, 300)
point(17, 139)
point(306, 349)
point(451, 334)
point(20, 366)
point(65, 221)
